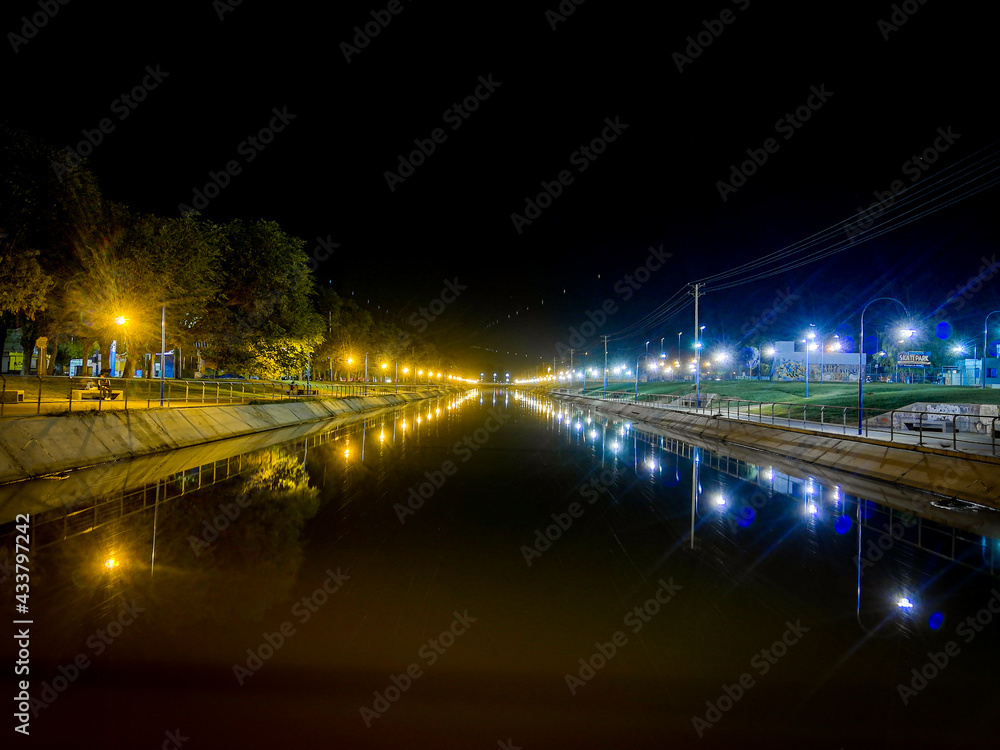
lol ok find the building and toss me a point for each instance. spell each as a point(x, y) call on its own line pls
point(969, 372)
point(789, 363)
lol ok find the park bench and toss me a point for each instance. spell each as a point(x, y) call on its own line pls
point(85, 394)
point(11, 397)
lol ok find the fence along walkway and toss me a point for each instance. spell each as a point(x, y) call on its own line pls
point(969, 433)
point(21, 396)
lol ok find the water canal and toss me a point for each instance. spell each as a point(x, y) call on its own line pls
point(498, 570)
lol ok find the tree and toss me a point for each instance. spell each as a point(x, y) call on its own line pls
point(45, 209)
point(261, 322)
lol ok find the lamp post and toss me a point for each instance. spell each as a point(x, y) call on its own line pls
point(861, 359)
point(808, 339)
point(646, 354)
point(679, 345)
point(163, 349)
point(770, 352)
point(986, 329)
point(959, 349)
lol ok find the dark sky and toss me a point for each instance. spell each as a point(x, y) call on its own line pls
point(880, 102)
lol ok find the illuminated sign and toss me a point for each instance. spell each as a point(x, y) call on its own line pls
point(913, 359)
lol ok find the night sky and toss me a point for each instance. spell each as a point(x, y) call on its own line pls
point(834, 102)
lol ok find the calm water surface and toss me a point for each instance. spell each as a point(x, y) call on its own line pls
point(496, 570)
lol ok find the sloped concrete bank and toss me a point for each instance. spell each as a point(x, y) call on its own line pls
point(37, 446)
point(940, 471)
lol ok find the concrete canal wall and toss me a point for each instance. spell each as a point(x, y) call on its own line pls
point(37, 446)
point(953, 474)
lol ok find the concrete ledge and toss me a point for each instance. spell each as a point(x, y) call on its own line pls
point(974, 478)
point(39, 445)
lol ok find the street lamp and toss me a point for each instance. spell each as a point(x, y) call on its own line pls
point(986, 329)
point(646, 354)
point(771, 352)
point(808, 339)
point(861, 355)
point(959, 349)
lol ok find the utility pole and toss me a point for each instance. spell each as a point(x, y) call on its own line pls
point(604, 391)
point(697, 350)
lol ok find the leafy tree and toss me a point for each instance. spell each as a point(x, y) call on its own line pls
point(261, 322)
point(45, 208)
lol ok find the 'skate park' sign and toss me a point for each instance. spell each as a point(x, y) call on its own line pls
point(913, 359)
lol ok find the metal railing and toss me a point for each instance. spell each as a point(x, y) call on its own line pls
point(974, 433)
point(23, 395)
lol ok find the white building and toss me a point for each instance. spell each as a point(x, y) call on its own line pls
point(789, 363)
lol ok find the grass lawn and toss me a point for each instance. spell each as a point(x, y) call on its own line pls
point(878, 396)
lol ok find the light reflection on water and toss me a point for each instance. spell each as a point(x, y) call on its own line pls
point(432, 509)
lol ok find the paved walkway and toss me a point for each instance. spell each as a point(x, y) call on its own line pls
point(962, 442)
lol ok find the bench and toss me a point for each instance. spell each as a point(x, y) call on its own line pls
point(12, 397)
point(941, 427)
point(84, 394)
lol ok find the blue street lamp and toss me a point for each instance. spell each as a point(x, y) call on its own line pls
point(808, 339)
point(861, 359)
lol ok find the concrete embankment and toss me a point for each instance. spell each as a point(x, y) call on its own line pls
point(37, 446)
point(974, 478)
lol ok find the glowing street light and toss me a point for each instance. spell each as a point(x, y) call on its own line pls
point(861, 359)
point(809, 344)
